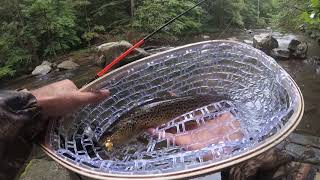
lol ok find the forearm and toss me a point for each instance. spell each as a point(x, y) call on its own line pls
point(20, 123)
point(18, 112)
point(23, 115)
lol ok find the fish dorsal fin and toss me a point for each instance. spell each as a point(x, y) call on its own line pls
point(165, 95)
point(161, 96)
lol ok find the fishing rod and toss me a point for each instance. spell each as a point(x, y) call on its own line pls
point(126, 53)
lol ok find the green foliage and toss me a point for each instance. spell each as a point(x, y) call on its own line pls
point(315, 3)
point(6, 72)
point(222, 13)
point(239, 13)
point(11, 56)
point(33, 30)
point(93, 33)
point(52, 22)
point(311, 16)
point(288, 14)
point(254, 16)
point(108, 15)
point(294, 13)
point(153, 13)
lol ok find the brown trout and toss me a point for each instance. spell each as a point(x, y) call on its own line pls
point(150, 115)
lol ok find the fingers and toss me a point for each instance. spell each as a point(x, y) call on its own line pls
point(68, 83)
point(151, 131)
point(91, 97)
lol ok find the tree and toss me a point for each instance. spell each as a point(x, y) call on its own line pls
point(153, 13)
point(33, 29)
point(222, 13)
point(258, 13)
point(289, 13)
point(132, 7)
point(52, 22)
point(311, 15)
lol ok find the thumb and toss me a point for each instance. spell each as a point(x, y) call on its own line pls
point(91, 97)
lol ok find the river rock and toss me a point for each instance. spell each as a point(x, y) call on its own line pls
point(41, 169)
point(42, 69)
point(293, 45)
point(265, 42)
point(249, 31)
point(301, 51)
point(298, 49)
point(314, 34)
point(280, 53)
point(54, 65)
point(109, 51)
point(68, 65)
point(304, 148)
point(248, 42)
point(314, 61)
point(206, 37)
point(232, 39)
point(46, 63)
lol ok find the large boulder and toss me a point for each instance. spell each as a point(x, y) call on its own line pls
point(298, 49)
point(280, 53)
point(42, 69)
point(68, 65)
point(265, 42)
point(293, 44)
point(302, 50)
point(107, 52)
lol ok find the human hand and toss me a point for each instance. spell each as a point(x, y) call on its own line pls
point(224, 128)
point(63, 97)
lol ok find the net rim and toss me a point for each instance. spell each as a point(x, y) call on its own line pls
point(285, 131)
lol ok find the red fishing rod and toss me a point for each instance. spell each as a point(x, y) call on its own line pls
point(126, 53)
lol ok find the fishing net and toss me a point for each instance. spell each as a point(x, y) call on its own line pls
point(262, 106)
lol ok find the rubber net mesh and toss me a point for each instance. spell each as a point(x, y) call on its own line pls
point(261, 99)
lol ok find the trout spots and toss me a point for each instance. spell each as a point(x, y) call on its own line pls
point(151, 114)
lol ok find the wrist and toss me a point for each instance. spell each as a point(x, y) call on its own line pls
point(42, 100)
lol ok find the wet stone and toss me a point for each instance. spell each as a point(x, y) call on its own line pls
point(41, 169)
point(303, 148)
point(265, 42)
point(280, 54)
